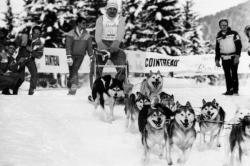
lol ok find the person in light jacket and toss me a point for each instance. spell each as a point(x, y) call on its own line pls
point(109, 34)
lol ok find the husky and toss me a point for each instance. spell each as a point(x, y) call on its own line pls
point(167, 100)
point(211, 122)
point(106, 90)
point(152, 122)
point(238, 143)
point(152, 85)
point(133, 106)
point(181, 133)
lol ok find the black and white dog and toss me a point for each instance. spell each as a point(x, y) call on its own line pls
point(211, 121)
point(105, 91)
point(238, 142)
point(133, 106)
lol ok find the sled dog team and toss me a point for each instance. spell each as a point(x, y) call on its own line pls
point(169, 124)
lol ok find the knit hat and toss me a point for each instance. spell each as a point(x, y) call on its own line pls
point(112, 4)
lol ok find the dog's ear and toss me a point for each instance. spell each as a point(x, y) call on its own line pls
point(214, 101)
point(172, 96)
point(150, 73)
point(203, 102)
point(162, 94)
point(138, 94)
point(158, 72)
point(188, 104)
point(178, 105)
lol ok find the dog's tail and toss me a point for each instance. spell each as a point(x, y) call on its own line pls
point(222, 114)
point(142, 118)
point(131, 102)
point(236, 137)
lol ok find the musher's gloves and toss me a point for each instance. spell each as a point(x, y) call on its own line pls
point(217, 63)
point(236, 59)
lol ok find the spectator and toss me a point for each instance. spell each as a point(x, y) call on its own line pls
point(247, 32)
point(228, 49)
point(109, 34)
point(9, 76)
point(30, 49)
point(78, 42)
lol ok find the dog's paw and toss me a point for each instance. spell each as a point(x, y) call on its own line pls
point(108, 120)
point(145, 161)
point(160, 155)
point(112, 118)
point(179, 161)
point(202, 147)
point(170, 163)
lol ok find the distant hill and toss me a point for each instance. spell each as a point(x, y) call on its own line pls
point(238, 16)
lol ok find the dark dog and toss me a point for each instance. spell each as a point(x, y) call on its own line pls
point(238, 142)
point(106, 90)
point(167, 100)
point(152, 122)
point(133, 106)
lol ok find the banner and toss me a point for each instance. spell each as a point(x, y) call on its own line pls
point(195, 64)
point(54, 61)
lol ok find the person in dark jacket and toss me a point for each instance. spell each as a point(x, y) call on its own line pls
point(228, 49)
point(78, 43)
point(9, 75)
point(31, 48)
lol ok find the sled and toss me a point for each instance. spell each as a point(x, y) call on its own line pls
point(108, 64)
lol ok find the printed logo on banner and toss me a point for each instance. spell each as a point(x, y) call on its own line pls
point(52, 60)
point(155, 62)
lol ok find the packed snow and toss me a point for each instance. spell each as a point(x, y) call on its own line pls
point(51, 128)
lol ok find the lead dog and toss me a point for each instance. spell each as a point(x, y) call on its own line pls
point(106, 90)
point(152, 123)
point(211, 121)
point(181, 133)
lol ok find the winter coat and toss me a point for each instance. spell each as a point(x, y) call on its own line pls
point(78, 44)
point(227, 44)
point(105, 44)
point(36, 45)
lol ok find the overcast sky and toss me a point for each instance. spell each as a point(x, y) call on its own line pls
point(202, 7)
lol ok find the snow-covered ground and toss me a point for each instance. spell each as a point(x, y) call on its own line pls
point(53, 129)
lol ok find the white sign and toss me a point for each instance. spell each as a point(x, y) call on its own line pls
point(54, 61)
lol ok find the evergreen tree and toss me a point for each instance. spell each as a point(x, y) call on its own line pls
point(191, 31)
point(9, 16)
point(91, 9)
point(130, 9)
point(56, 17)
point(161, 28)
